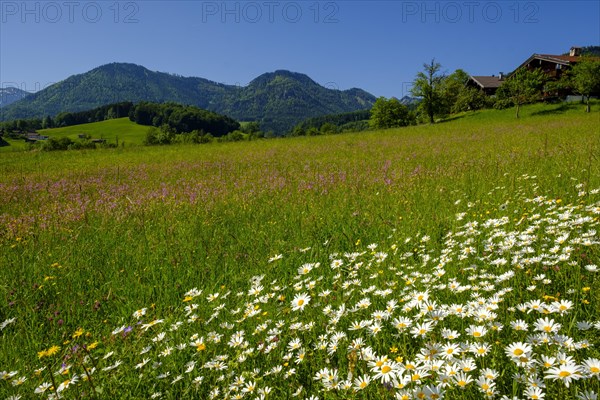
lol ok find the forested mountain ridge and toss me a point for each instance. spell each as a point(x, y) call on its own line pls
point(277, 100)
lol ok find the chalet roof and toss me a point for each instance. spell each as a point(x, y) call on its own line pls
point(487, 82)
point(558, 59)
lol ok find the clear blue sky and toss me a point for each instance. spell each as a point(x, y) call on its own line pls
point(378, 46)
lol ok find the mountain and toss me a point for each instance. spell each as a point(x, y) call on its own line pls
point(11, 94)
point(410, 102)
point(278, 100)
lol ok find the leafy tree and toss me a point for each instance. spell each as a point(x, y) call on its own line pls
point(328, 128)
point(251, 127)
point(57, 144)
point(312, 131)
point(452, 88)
point(469, 99)
point(47, 122)
point(342, 122)
point(428, 86)
point(389, 114)
point(522, 87)
point(585, 78)
point(155, 136)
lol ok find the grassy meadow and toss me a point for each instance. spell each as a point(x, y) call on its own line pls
point(120, 130)
point(456, 261)
point(113, 130)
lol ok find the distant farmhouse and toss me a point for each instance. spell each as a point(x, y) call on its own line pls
point(488, 84)
point(33, 137)
point(554, 66)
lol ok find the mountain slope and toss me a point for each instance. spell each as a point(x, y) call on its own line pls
point(10, 95)
point(278, 100)
point(281, 99)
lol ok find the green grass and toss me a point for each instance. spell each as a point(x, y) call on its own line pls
point(12, 145)
point(121, 129)
point(89, 237)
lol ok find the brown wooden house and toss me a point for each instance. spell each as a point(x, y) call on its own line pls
point(488, 84)
point(552, 65)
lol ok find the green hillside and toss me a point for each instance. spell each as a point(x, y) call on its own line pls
point(127, 133)
point(121, 129)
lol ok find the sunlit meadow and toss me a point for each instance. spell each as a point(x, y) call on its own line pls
point(456, 261)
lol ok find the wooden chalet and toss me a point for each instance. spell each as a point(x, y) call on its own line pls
point(552, 65)
point(488, 84)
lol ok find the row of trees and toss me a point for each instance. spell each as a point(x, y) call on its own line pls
point(180, 118)
point(354, 121)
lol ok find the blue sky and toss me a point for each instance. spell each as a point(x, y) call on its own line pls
point(378, 46)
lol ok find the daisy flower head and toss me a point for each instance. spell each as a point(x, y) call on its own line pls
point(591, 366)
point(562, 307)
point(547, 325)
point(534, 393)
point(518, 350)
point(591, 268)
point(564, 372)
point(300, 301)
point(387, 372)
point(476, 331)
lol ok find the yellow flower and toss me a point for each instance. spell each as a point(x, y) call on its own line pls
point(77, 333)
point(399, 359)
point(586, 289)
point(393, 349)
point(48, 352)
point(93, 346)
point(187, 298)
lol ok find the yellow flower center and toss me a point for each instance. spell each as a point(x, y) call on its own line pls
point(564, 374)
point(385, 369)
point(518, 352)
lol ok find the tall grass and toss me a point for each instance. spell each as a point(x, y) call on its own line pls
point(88, 237)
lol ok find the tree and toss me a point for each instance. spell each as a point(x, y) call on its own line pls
point(389, 114)
point(453, 87)
point(469, 99)
point(47, 122)
point(523, 86)
point(585, 78)
point(428, 87)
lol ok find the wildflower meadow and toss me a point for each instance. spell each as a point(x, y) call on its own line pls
point(455, 261)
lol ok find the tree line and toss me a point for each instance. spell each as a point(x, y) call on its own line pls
point(176, 118)
point(182, 119)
